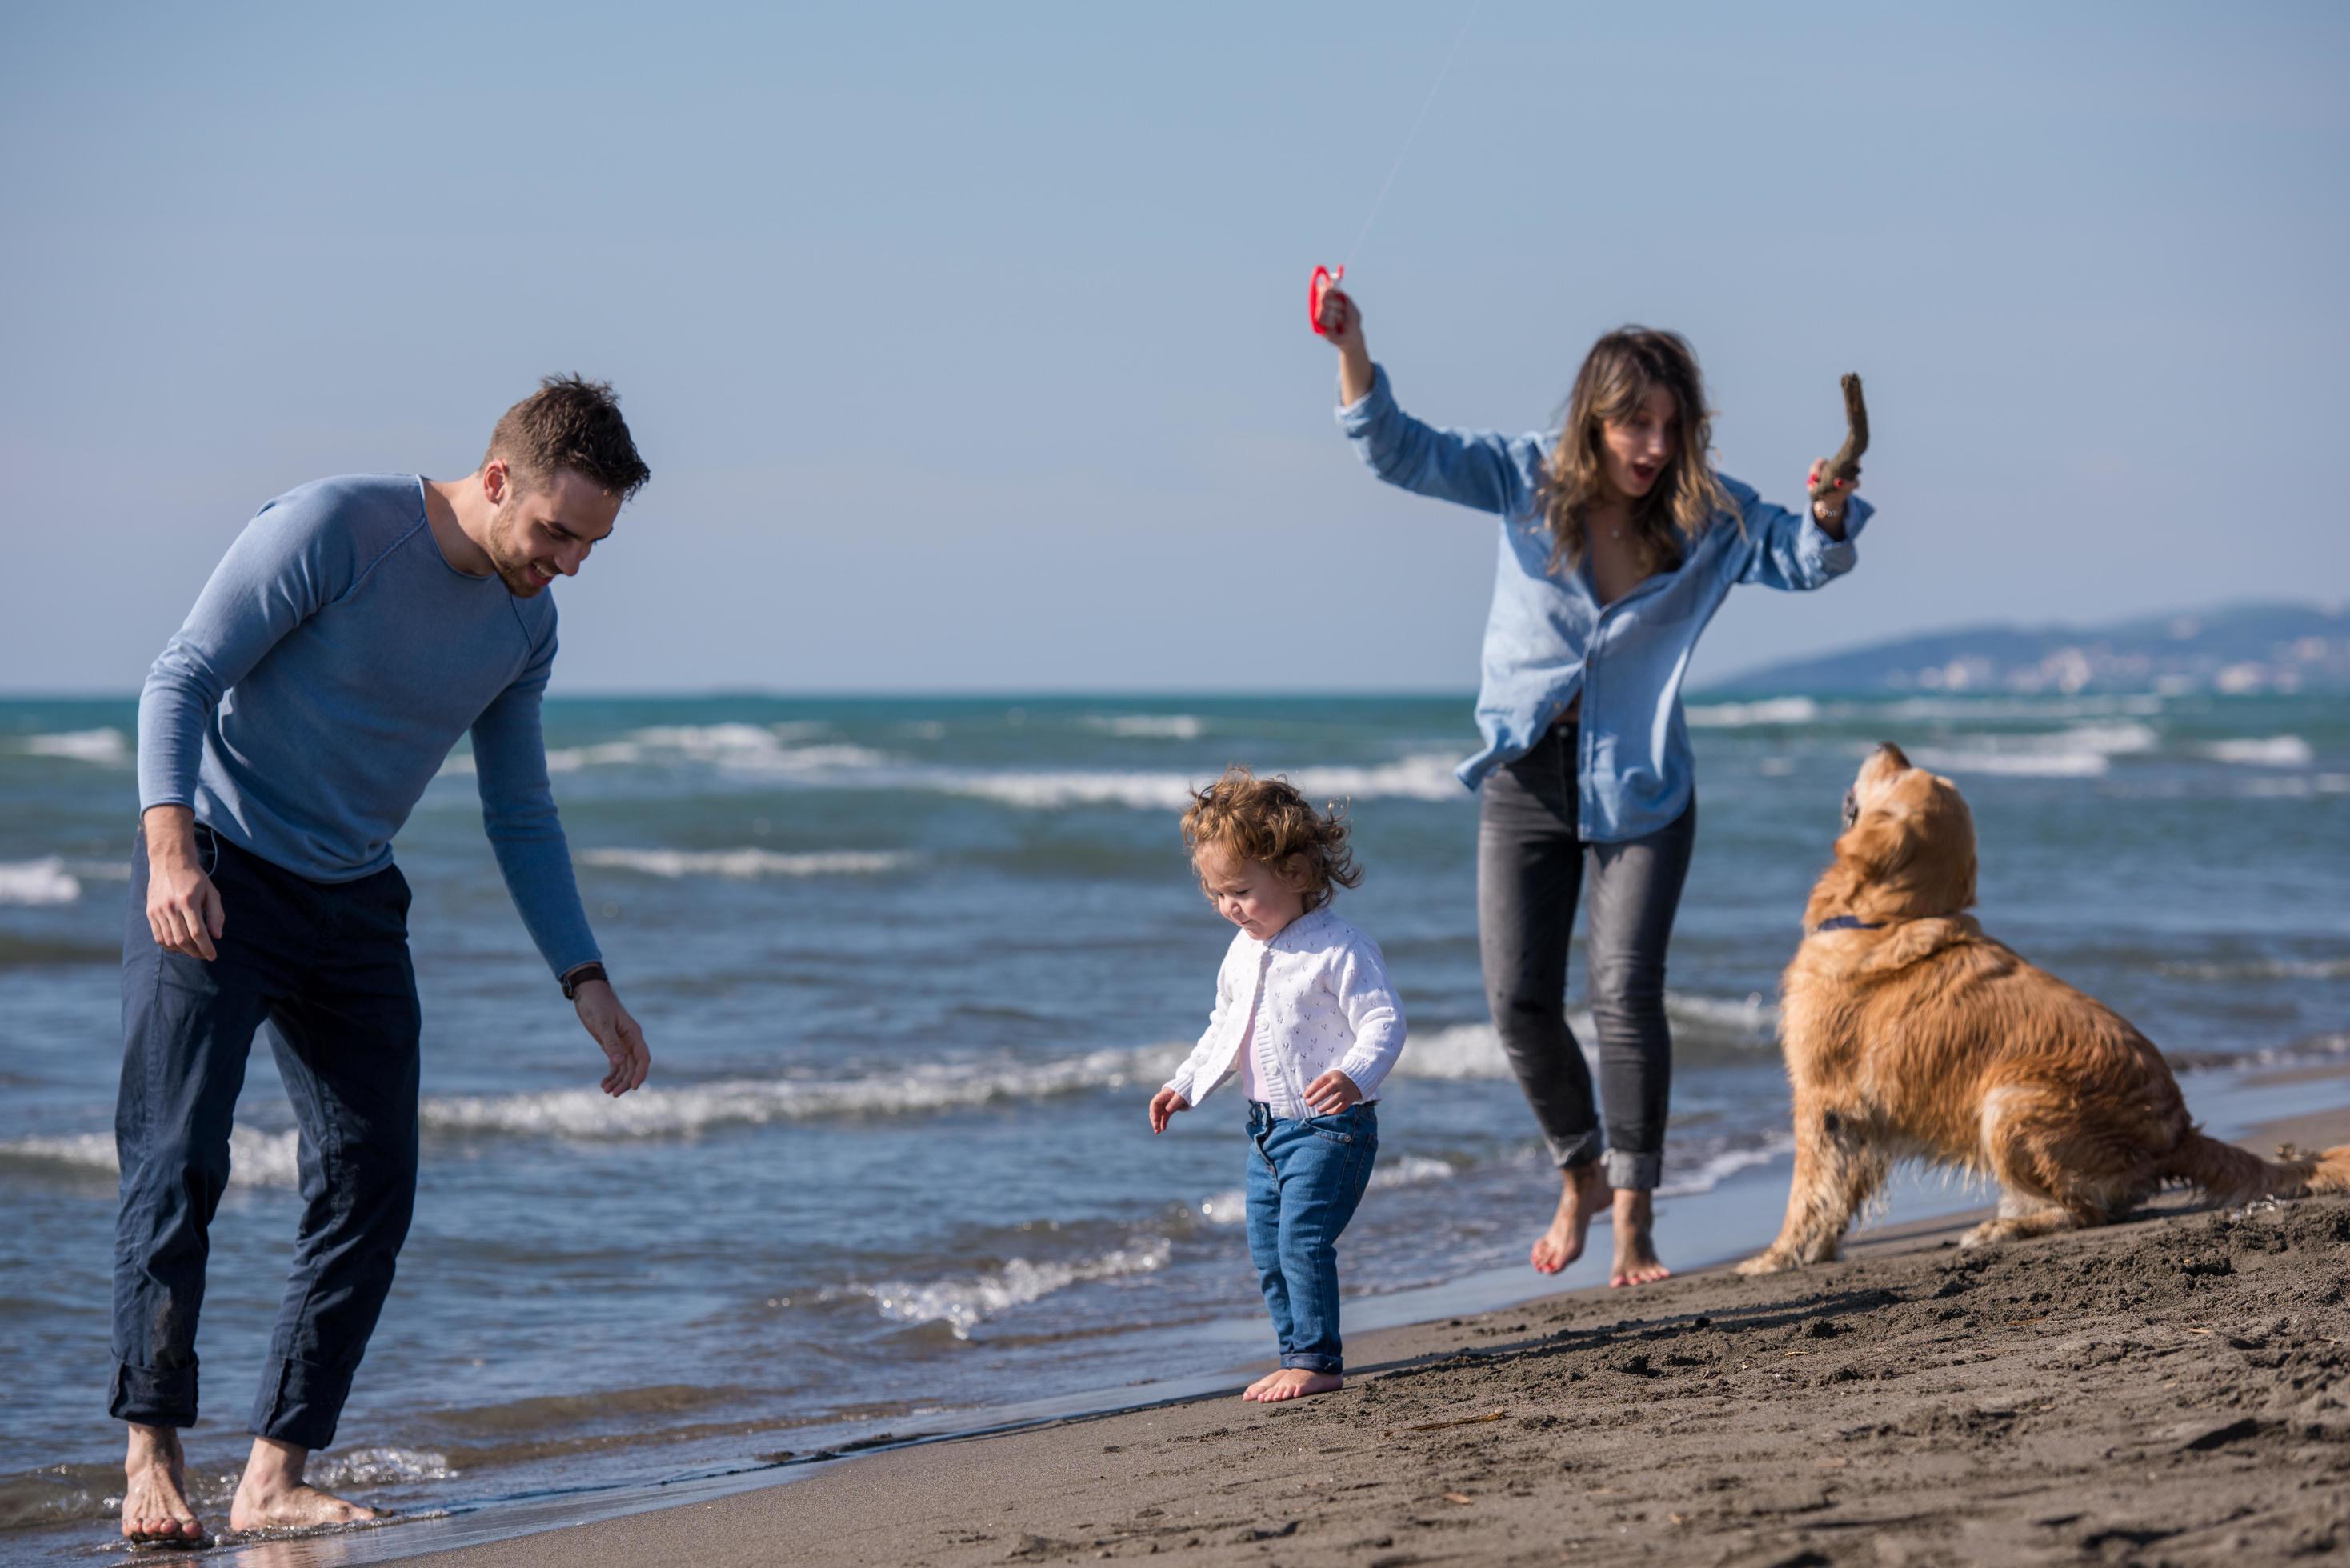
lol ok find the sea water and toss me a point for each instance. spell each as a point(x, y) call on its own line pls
point(911, 970)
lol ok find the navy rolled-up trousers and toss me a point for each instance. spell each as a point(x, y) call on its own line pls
point(326, 966)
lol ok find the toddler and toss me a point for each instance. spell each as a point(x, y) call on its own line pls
point(1305, 1015)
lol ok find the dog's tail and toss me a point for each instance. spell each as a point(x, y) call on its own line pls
point(2235, 1175)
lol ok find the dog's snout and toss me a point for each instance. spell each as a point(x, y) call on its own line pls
point(1851, 807)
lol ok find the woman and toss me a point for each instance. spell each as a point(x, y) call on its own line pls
point(1619, 542)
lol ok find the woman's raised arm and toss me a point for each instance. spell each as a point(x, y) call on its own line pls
point(1483, 469)
point(1342, 324)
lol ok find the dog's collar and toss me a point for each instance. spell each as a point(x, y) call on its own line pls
point(1847, 923)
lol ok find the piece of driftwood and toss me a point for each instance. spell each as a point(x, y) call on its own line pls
point(1846, 463)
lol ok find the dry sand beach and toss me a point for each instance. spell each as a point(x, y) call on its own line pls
point(2170, 1390)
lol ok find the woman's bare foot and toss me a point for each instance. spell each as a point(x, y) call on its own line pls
point(1292, 1383)
point(1583, 1193)
point(274, 1496)
point(1635, 1244)
point(155, 1509)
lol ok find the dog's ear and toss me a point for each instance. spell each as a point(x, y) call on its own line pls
point(1945, 835)
point(1879, 845)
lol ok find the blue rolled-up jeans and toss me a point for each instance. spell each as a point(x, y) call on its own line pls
point(326, 966)
point(1304, 1180)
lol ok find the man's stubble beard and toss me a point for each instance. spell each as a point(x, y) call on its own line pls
point(517, 577)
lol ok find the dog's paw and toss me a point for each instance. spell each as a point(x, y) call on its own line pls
point(1989, 1233)
point(1771, 1263)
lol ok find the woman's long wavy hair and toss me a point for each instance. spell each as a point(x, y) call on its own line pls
point(1618, 375)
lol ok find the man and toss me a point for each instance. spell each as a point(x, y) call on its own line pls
point(354, 631)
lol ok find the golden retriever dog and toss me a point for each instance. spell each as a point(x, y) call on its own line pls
point(1909, 1034)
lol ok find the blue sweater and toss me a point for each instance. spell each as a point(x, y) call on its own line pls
point(1548, 638)
point(330, 666)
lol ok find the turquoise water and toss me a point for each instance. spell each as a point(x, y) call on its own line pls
point(911, 968)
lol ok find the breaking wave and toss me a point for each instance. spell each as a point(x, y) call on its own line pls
point(964, 1302)
point(2262, 969)
point(1462, 1051)
point(751, 750)
point(746, 864)
point(1722, 1165)
point(1148, 726)
point(2269, 751)
point(1741, 715)
point(658, 1112)
point(109, 748)
point(255, 1158)
point(2085, 751)
point(1428, 776)
point(44, 881)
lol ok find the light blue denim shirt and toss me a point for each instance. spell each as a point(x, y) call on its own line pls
point(1548, 638)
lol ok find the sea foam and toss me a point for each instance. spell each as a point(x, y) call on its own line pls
point(662, 1112)
point(2084, 751)
point(963, 1302)
point(745, 864)
point(1428, 776)
point(107, 748)
point(255, 1158)
point(44, 881)
point(2268, 751)
point(1148, 726)
point(1741, 715)
point(755, 751)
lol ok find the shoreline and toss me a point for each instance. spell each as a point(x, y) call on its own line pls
point(959, 1474)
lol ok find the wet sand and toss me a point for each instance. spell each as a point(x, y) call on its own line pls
point(2172, 1390)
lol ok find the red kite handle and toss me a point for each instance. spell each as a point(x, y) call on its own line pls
point(1325, 280)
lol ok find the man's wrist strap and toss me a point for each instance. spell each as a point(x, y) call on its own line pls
point(581, 976)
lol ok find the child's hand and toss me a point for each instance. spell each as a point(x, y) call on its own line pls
point(1331, 1093)
point(1163, 1107)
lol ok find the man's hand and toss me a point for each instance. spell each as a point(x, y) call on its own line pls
point(617, 1033)
point(184, 907)
point(1331, 1093)
point(1163, 1107)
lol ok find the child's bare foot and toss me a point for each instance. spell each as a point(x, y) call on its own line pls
point(274, 1496)
point(1293, 1383)
point(1636, 1262)
point(155, 1509)
point(1583, 1193)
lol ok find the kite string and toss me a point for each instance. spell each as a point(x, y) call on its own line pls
point(1413, 135)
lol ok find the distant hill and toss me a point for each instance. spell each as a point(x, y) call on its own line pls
point(2245, 648)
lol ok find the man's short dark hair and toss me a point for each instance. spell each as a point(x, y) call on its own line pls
point(575, 423)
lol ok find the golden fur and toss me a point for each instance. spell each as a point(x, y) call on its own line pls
point(1924, 1039)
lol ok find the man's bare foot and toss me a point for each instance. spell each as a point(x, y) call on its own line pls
point(274, 1496)
point(1293, 1383)
point(1636, 1245)
point(1583, 1193)
point(155, 1509)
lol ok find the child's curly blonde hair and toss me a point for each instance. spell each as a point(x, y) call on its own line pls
point(1266, 820)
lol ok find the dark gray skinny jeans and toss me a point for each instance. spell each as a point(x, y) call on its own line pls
point(1529, 871)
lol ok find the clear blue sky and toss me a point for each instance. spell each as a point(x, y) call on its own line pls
point(967, 343)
